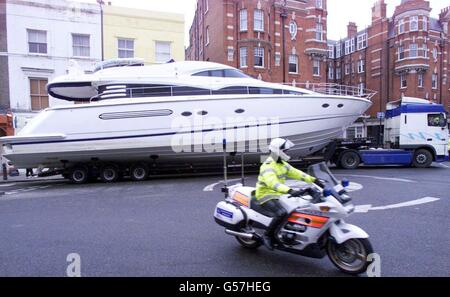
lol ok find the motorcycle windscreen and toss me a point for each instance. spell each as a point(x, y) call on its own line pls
point(322, 171)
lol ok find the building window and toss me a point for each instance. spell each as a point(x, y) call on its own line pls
point(319, 4)
point(258, 57)
point(331, 51)
point(162, 51)
point(401, 26)
point(293, 64)
point(420, 80)
point(362, 41)
point(424, 51)
point(435, 53)
point(243, 20)
point(37, 41)
point(319, 31)
point(347, 47)
point(361, 88)
point(38, 94)
point(207, 36)
point(414, 23)
point(126, 48)
point(230, 54)
point(401, 52)
point(347, 69)
point(243, 57)
point(413, 50)
point(258, 20)
point(434, 81)
point(338, 50)
point(361, 66)
point(277, 59)
point(330, 72)
point(338, 73)
point(81, 45)
point(316, 67)
point(424, 23)
point(403, 82)
point(352, 45)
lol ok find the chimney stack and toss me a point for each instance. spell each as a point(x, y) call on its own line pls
point(379, 10)
point(352, 29)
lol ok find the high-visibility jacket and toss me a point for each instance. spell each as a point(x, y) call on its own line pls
point(272, 178)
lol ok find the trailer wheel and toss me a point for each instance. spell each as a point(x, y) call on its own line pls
point(78, 175)
point(109, 173)
point(349, 160)
point(422, 159)
point(139, 172)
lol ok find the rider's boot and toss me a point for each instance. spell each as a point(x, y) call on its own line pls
point(268, 241)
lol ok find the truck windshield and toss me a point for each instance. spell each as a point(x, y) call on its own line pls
point(437, 120)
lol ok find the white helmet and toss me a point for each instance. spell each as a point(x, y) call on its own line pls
point(278, 148)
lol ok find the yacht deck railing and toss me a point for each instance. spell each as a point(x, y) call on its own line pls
point(122, 91)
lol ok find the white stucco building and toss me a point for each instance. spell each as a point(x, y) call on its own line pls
point(43, 36)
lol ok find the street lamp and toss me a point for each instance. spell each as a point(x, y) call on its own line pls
point(101, 3)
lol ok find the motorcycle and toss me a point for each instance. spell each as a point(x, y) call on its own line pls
point(314, 227)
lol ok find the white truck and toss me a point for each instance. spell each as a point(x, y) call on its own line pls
point(415, 134)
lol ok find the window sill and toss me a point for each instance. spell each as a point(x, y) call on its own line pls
point(38, 54)
point(259, 67)
point(81, 58)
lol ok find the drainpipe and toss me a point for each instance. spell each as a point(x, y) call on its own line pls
point(284, 15)
point(441, 62)
point(101, 3)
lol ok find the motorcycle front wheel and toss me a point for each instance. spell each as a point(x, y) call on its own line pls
point(351, 256)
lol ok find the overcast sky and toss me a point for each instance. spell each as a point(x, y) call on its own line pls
point(340, 12)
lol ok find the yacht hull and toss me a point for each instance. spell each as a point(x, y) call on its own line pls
point(180, 130)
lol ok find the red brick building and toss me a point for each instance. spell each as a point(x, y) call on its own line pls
point(406, 54)
point(249, 34)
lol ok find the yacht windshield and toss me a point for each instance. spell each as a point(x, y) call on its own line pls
point(228, 73)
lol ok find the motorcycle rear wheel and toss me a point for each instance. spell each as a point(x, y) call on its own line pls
point(351, 256)
point(250, 244)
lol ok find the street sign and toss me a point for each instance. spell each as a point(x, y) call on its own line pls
point(381, 115)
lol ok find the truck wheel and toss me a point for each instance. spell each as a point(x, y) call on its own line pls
point(422, 159)
point(139, 172)
point(349, 160)
point(78, 175)
point(109, 173)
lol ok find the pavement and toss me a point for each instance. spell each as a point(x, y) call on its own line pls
point(164, 227)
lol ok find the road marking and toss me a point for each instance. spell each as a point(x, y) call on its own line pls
point(7, 185)
point(381, 178)
point(210, 188)
point(443, 165)
point(354, 187)
point(367, 208)
point(25, 190)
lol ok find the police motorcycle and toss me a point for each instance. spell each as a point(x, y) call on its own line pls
point(314, 227)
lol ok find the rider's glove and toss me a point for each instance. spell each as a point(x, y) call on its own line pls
point(295, 193)
point(309, 179)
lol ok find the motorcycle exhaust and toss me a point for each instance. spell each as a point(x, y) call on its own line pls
point(241, 235)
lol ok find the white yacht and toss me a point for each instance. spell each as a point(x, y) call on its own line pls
point(133, 113)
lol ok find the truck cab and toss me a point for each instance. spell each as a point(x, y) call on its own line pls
point(414, 125)
point(416, 133)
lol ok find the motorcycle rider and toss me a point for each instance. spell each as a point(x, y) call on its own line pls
point(271, 184)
